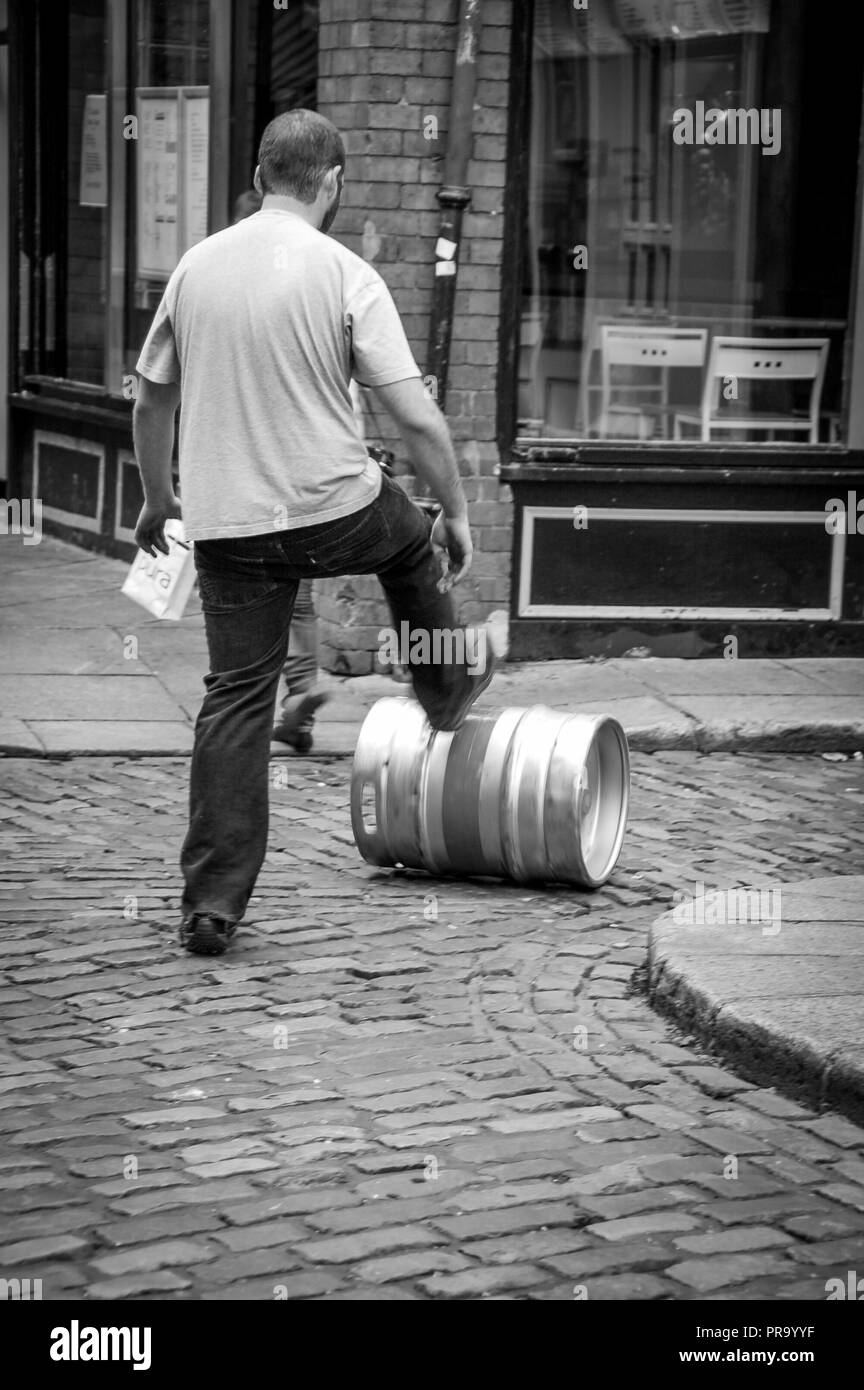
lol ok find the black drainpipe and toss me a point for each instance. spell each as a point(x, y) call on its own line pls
point(454, 195)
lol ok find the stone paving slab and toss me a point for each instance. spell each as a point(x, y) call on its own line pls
point(93, 652)
point(397, 1085)
point(781, 995)
point(827, 977)
point(673, 677)
point(64, 612)
point(64, 699)
point(49, 586)
point(841, 675)
point(17, 737)
point(563, 683)
point(164, 737)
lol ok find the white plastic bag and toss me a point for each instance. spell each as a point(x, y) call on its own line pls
point(162, 583)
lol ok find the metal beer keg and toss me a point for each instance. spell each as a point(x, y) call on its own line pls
point(529, 794)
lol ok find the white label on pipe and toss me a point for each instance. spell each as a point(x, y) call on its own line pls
point(445, 249)
point(445, 267)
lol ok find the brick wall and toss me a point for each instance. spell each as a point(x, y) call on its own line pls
point(385, 68)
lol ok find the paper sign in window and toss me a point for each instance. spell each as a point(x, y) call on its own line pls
point(173, 152)
point(93, 183)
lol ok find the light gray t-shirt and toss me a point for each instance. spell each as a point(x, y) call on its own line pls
point(263, 325)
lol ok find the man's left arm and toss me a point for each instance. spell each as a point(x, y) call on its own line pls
point(153, 434)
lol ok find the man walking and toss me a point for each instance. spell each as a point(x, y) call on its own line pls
point(260, 330)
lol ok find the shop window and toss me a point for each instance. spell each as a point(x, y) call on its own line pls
point(173, 43)
point(687, 243)
point(113, 177)
point(114, 138)
point(63, 191)
point(167, 162)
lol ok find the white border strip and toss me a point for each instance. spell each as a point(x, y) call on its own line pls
point(526, 609)
point(82, 446)
point(543, 610)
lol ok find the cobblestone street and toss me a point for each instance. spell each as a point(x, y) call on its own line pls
point(395, 1086)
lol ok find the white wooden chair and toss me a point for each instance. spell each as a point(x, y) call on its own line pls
point(656, 348)
point(758, 359)
point(590, 386)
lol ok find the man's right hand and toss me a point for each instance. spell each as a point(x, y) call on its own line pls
point(150, 528)
point(453, 534)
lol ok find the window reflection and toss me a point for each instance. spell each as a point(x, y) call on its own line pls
point(677, 161)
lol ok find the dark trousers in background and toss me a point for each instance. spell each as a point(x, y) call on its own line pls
point(248, 588)
point(300, 671)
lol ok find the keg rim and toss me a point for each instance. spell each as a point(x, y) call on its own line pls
point(601, 852)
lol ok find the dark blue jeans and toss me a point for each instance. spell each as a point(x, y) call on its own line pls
point(248, 586)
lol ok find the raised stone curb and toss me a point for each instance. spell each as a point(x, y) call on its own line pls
point(778, 1001)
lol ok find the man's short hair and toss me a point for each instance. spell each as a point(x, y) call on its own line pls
point(296, 151)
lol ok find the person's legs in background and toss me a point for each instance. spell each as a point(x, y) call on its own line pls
point(300, 673)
